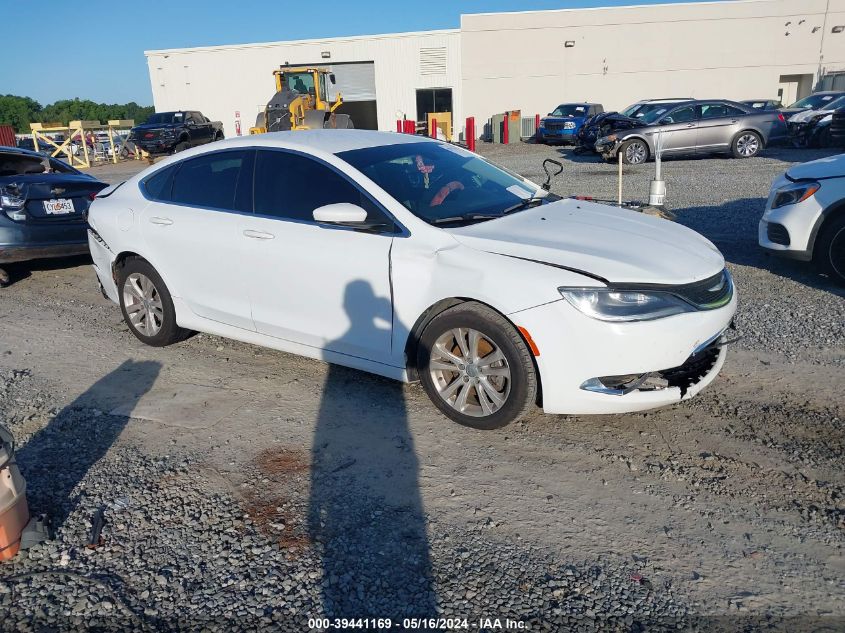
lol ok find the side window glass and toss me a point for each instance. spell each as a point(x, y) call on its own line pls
point(209, 180)
point(291, 186)
point(159, 185)
point(714, 111)
point(733, 111)
point(681, 115)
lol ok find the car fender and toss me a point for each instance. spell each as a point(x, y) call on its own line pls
point(423, 279)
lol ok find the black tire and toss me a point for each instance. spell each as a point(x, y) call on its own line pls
point(218, 136)
point(169, 332)
point(634, 151)
point(829, 251)
point(181, 146)
point(519, 388)
point(746, 144)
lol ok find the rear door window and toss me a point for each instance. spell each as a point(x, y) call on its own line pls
point(217, 180)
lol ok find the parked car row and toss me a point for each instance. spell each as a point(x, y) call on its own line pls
point(694, 126)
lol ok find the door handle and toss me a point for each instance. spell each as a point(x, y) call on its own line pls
point(161, 221)
point(734, 120)
point(690, 124)
point(259, 235)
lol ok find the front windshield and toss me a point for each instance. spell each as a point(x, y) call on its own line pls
point(631, 110)
point(835, 104)
point(570, 110)
point(303, 83)
point(814, 102)
point(166, 117)
point(444, 184)
point(654, 113)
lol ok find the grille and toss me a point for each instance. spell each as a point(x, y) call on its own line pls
point(711, 293)
point(553, 126)
point(694, 369)
point(837, 125)
point(777, 233)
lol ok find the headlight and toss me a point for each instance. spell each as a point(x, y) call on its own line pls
point(794, 193)
point(167, 133)
point(568, 125)
point(610, 138)
point(606, 304)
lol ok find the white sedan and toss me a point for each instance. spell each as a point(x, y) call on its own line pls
point(417, 260)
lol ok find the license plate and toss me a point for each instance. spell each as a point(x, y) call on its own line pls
point(61, 206)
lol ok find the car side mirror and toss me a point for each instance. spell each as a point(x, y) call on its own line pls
point(332, 78)
point(340, 213)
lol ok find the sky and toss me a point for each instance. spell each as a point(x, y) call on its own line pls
point(99, 52)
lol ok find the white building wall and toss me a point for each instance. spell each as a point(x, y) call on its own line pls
point(736, 50)
point(223, 80)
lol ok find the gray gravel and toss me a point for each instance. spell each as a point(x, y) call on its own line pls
point(785, 307)
point(177, 554)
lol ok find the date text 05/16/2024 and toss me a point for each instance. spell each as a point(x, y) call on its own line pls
point(410, 624)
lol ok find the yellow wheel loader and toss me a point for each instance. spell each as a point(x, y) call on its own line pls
point(301, 102)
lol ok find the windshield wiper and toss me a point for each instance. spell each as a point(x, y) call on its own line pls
point(465, 218)
point(524, 204)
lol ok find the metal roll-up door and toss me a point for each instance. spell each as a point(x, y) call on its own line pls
point(356, 82)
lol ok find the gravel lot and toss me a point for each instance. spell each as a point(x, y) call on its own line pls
point(245, 488)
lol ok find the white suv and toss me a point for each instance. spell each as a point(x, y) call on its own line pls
point(805, 215)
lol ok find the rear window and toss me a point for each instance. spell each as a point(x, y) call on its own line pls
point(21, 165)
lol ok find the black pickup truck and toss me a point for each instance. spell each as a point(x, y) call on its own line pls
point(169, 132)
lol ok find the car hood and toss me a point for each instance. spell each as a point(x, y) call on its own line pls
point(806, 115)
point(563, 119)
point(830, 167)
point(617, 245)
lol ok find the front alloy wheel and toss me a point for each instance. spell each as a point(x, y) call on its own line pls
point(634, 152)
point(476, 367)
point(470, 372)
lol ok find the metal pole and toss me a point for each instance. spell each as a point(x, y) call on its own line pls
point(619, 160)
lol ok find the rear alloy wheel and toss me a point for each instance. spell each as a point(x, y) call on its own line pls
point(476, 368)
point(634, 152)
point(146, 304)
point(829, 251)
point(746, 145)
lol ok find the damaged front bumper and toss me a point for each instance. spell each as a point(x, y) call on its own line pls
point(695, 369)
point(607, 149)
point(596, 367)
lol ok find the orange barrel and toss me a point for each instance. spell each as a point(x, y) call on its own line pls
point(14, 512)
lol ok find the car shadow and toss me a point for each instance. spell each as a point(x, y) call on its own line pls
point(737, 240)
point(55, 460)
point(18, 271)
point(365, 514)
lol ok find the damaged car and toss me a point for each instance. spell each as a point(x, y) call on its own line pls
point(694, 128)
point(43, 203)
point(416, 260)
point(609, 122)
point(811, 128)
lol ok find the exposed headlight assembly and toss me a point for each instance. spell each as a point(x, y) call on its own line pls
point(794, 193)
point(607, 304)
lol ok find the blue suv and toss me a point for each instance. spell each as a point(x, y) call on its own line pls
point(563, 123)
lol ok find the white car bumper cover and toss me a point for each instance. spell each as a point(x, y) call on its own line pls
point(586, 348)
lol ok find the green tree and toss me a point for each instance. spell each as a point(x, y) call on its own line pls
point(18, 112)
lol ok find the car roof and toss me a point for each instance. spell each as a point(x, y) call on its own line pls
point(328, 141)
point(19, 150)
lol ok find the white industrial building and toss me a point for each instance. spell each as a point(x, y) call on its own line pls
point(530, 61)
